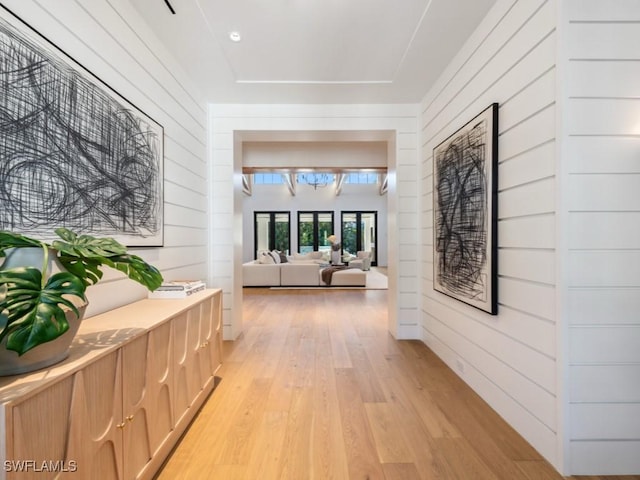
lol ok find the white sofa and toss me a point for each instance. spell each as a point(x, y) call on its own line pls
point(299, 274)
point(270, 271)
point(297, 271)
point(255, 274)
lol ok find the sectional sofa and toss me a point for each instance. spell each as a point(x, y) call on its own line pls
point(296, 271)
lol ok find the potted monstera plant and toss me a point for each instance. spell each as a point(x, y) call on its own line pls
point(42, 292)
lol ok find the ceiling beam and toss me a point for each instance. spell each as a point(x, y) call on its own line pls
point(246, 185)
point(340, 178)
point(384, 186)
point(291, 184)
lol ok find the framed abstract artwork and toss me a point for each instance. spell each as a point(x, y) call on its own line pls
point(73, 152)
point(465, 168)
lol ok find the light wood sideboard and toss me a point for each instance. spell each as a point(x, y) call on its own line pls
point(135, 378)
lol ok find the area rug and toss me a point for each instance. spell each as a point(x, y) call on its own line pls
point(375, 281)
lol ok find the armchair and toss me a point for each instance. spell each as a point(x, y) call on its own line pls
point(362, 260)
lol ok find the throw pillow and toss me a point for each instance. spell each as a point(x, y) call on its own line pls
point(266, 259)
point(316, 255)
point(275, 255)
point(283, 257)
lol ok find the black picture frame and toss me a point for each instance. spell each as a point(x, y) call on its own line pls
point(465, 212)
point(73, 151)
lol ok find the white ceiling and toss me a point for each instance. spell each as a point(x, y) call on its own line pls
point(314, 51)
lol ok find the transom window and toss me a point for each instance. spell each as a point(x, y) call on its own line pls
point(362, 178)
point(267, 179)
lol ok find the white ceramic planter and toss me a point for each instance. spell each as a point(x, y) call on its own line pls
point(49, 353)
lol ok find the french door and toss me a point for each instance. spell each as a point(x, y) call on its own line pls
point(272, 231)
point(360, 232)
point(313, 230)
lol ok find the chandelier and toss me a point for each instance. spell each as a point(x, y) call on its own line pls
point(316, 180)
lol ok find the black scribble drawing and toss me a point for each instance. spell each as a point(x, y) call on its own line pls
point(462, 214)
point(462, 211)
point(71, 153)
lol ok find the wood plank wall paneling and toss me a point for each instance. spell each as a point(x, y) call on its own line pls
point(603, 233)
point(110, 39)
point(508, 359)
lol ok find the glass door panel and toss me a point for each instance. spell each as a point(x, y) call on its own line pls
point(262, 229)
point(369, 230)
point(282, 232)
point(325, 229)
point(349, 233)
point(305, 232)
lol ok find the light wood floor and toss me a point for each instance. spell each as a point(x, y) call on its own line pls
point(316, 388)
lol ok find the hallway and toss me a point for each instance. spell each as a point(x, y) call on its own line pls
point(317, 388)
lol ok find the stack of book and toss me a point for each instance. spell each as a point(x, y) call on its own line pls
point(178, 289)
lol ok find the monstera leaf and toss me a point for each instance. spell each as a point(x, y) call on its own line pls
point(83, 255)
point(136, 269)
point(15, 240)
point(86, 269)
point(86, 245)
point(32, 312)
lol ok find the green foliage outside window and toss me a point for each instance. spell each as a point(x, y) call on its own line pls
point(349, 237)
point(282, 236)
point(305, 233)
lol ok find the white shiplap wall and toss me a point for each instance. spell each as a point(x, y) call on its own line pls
point(509, 359)
point(110, 39)
point(602, 147)
point(228, 122)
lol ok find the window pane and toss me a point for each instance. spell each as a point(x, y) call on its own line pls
point(325, 229)
point(282, 232)
point(362, 178)
point(267, 179)
point(263, 226)
point(368, 226)
point(349, 239)
point(305, 232)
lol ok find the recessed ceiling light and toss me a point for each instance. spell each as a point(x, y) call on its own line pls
point(235, 36)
